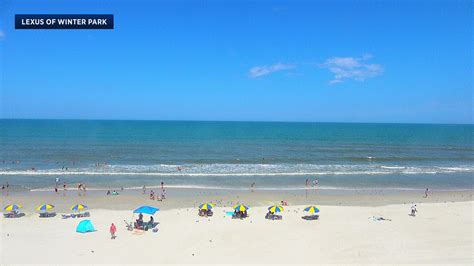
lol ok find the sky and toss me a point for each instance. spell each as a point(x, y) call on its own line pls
point(321, 61)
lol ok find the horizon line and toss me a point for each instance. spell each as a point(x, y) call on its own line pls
point(234, 121)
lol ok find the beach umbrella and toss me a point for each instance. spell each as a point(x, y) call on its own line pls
point(275, 208)
point(45, 207)
point(240, 207)
point(206, 206)
point(147, 210)
point(85, 226)
point(78, 207)
point(311, 209)
point(13, 207)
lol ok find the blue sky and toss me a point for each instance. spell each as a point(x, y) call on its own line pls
point(341, 61)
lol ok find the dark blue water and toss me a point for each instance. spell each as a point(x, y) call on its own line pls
point(234, 154)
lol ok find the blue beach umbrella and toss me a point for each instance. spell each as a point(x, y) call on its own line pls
point(147, 210)
point(311, 209)
point(206, 206)
point(13, 207)
point(241, 207)
point(275, 208)
point(45, 207)
point(78, 207)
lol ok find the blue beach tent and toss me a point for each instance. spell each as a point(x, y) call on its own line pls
point(85, 226)
point(146, 210)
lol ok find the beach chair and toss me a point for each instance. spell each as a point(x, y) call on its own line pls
point(209, 213)
point(128, 225)
point(277, 217)
point(47, 214)
point(236, 215)
point(310, 217)
point(13, 214)
point(66, 216)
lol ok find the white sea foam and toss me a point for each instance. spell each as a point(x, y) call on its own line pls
point(224, 170)
point(300, 188)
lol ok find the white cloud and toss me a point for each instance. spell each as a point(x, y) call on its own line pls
point(355, 68)
point(260, 71)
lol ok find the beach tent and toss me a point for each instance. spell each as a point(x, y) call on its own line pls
point(147, 210)
point(85, 226)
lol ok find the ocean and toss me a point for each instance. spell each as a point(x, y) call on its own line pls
point(233, 155)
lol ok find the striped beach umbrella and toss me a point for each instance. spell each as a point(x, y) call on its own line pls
point(206, 206)
point(275, 208)
point(311, 209)
point(45, 207)
point(78, 207)
point(240, 207)
point(13, 207)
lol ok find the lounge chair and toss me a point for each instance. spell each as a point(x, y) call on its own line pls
point(310, 217)
point(272, 216)
point(13, 214)
point(66, 216)
point(205, 213)
point(47, 214)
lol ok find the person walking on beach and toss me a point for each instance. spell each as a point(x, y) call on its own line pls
point(413, 210)
point(426, 193)
point(113, 229)
point(162, 185)
point(144, 189)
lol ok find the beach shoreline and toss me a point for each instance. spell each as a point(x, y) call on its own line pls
point(191, 198)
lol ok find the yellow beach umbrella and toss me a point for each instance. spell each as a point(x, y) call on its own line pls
point(206, 206)
point(275, 208)
point(45, 207)
point(311, 209)
point(78, 207)
point(13, 207)
point(240, 207)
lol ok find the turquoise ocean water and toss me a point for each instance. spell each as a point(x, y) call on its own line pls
point(232, 155)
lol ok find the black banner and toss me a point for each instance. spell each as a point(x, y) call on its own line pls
point(70, 21)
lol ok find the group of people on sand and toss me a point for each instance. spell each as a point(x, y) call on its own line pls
point(158, 197)
point(139, 223)
point(153, 195)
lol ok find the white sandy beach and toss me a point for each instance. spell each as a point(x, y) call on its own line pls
point(441, 233)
